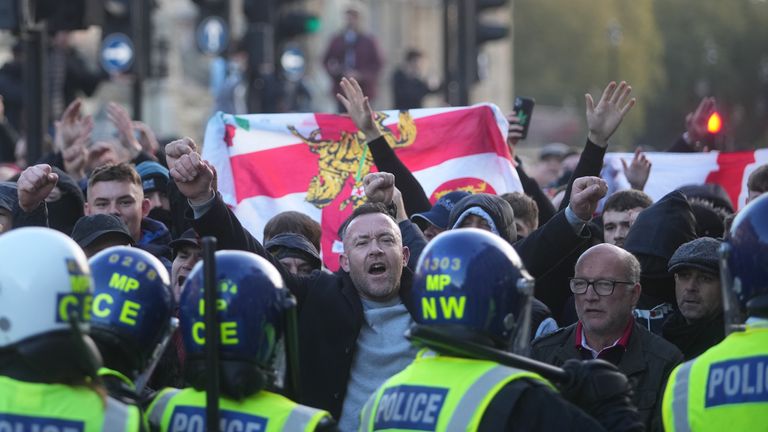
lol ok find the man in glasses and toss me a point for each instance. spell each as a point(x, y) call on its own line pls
point(606, 287)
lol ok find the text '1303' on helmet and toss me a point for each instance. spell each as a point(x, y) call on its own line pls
point(132, 302)
point(744, 264)
point(252, 302)
point(472, 284)
point(44, 277)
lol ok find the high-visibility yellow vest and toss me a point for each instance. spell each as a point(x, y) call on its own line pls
point(438, 393)
point(724, 389)
point(175, 409)
point(107, 372)
point(59, 408)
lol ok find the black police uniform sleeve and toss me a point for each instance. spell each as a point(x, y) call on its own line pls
point(590, 163)
point(532, 189)
point(528, 405)
point(600, 389)
point(414, 197)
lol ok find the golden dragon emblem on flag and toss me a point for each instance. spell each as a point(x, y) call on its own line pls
point(348, 159)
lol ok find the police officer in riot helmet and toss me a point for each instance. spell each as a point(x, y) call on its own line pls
point(255, 313)
point(474, 298)
point(131, 317)
point(48, 362)
point(725, 388)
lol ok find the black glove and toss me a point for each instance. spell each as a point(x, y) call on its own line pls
point(602, 391)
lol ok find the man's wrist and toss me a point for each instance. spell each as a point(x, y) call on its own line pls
point(576, 222)
point(202, 199)
point(372, 134)
point(598, 141)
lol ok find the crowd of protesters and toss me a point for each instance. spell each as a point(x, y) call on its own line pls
point(636, 283)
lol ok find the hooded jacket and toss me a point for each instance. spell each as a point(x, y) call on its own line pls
point(501, 215)
point(155, 239)
point(654, 237)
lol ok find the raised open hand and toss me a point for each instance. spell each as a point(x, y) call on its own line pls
point(358, 108)
point(605, 117)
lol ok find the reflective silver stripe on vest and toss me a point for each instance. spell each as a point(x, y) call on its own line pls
point(365, 416)
point(680, 397)
point(300, 418)
point(156, 415)
point(465, 409)
point(115, 416)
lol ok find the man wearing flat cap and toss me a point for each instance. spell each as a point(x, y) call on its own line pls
point(698, 323)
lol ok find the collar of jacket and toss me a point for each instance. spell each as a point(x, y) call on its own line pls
point(350, 293)
point(633, 361)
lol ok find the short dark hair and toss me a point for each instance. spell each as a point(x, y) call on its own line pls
point(627, 200)
point(293, 222)
point(524, 207)
point(122, 172)
point(758, 180)
point(367, 208)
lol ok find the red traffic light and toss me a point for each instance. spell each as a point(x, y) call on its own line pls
point(714, 123)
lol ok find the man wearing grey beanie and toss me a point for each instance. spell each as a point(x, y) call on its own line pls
point(698, 323)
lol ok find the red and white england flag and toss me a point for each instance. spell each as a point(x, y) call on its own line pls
point(670, 171)
point(315, 163)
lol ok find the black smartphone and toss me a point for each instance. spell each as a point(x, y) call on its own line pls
point(524, 110)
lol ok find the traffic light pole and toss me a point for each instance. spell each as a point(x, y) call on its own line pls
point(140, 28)
point(35, 89)
point(456, 41)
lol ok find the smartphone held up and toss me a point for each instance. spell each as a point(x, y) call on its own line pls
point(524, 110)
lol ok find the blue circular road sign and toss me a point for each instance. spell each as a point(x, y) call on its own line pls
point(116, 53)
point(212, 35)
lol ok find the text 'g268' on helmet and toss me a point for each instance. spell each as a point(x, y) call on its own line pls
point(44, 277)
point(132, 299)
point(252, 302)
point(471, 280)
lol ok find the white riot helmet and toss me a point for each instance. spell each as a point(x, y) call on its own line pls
point(44, 277)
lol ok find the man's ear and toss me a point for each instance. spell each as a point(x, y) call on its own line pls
point(145, 207)
point(406, 255)
point(344, 262)
point(636, 291)
point(87, 209)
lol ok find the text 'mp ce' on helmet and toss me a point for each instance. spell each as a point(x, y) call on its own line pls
point(252, 302)
point(132, 301)
point(471, 283)
point(44, 276)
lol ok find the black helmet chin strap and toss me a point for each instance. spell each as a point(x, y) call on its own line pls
point(143, 378)
point(445, 344)
point(91, 360)
point(292, 345)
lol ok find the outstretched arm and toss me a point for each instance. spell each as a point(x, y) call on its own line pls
point(602, 121)
point(359, 109)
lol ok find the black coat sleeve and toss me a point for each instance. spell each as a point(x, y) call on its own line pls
point(590, 164)
point(532, 189)
point(220, 222)
point(681, 146)
point(527, 405)
point(550, 244)
point(414, 197)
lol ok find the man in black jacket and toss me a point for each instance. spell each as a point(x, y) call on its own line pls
point(606, 288)
point(698, 323)
point(351, 323)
